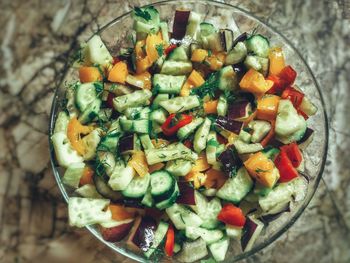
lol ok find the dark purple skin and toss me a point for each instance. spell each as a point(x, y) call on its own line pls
point(238, 109)
point(307, 135)
point(186, 196)
point(240, 69)
point(275, 143)
point(240, 38)
point(229, 124)
point(144, 234)
point(180, 23)
point(269, 218)
point(229, 160)
point(126, 143)
point(250, 227)
point(223, 32)
point(115, 234)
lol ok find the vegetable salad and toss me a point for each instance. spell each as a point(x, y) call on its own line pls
point(187, 140)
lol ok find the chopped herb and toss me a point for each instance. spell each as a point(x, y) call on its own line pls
point(162, 156)
point(209, 53)
point(261, 170)
point(230, 96)
point(160, 49)
point(247, 129)
point(155, 89)
point(142, 13)
point(208, 87)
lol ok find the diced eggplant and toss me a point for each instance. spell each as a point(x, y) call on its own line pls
point(180, 23)
point(186, 196)
point(143, 236)
point(226, 36)
point(253, 228)
point(117, 233)
point(229, 124)
point(239, 110)
point(230, 160)
point(240, 69)
point(105, 190)
point(127, 143)
point(307, 138)
point(271, 217)
point(242, 37)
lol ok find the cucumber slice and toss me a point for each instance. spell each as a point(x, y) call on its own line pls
point(165, 31)
point(121, 177)
point(147, 200)
point(258, 45)
point(179, 167)
point(237, 54)
point(178, 54)
point(209, 236)
point(85, 94)
point(73, 174)
point(170, 201)
point(158, 116)
point(146, 141)
point(206, 29)
point(222, 106)
point(162, 185)
point(219, 249)
point(188, 129)
point(142, 25)
point(182, 216)
point(176, 68)
point(235, 189)
point(137, 187)
point(135, 99)
point(91, 112)
point(168, 84)
point(159, 98)
point(180, 104)
point(201, 135)
point(228, 79)
point(193, 24)
point(260, 130)
point(97, 52)
point(61, 122)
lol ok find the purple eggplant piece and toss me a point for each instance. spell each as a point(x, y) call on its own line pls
point(275, 143)
point(250, 234)
point(226, 37)
point(126, 143)
point(238, 110)
point(135, 203)
point(144, 234)
point(308, 133)
point(240, 38)
point(240, 69)
point(186, 196)
point(269, 218)
point(230, 160)
point(180, 23)
point(229, 124)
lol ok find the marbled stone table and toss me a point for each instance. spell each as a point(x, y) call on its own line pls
point(36, 37)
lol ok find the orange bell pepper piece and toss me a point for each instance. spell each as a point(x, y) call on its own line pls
point(262, 169)
point(139, 163)
point(152, 44)
point(270, 135)
point(120, 213)
point(155, 167)
point(118, 73)
point(276, 61)
point(210, 106)
point(74, 131)
point(87, 177)
point(145, 77)
point(201, 164)
point(215, 179)
point(194, 80)
point(267, 107)
point(253, 81)
point(199, 55)
point(89, 74)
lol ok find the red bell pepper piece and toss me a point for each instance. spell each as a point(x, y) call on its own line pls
point(170, 128)
point(232, 215)
point(285, 167)
point(170, 241)
point(169, 49)
point(295, 96)
point(278, 84)
point(293, 152)
point(302, 114)
point(288, 74)
point(109, 101)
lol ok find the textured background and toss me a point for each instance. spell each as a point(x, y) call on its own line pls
point(36, 38)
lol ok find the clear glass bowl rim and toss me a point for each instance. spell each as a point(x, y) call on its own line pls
point(293, 219)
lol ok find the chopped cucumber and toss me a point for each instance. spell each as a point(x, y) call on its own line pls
point(201, 135)
point(180, 104)
point(176, 68)
point(188, 129)
point(135, 99)
point(168, 84)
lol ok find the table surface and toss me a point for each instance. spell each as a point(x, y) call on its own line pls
point(36, 38)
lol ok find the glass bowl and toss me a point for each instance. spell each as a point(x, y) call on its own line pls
point(115, 35)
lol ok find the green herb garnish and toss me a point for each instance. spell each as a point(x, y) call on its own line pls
point(142, 13)
point(160, 49)
point(208, 87)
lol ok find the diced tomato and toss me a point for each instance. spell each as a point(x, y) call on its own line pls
point(109, 101)
point(288, 74)
point(293, 152)
point(285, 167)
point(295, 96)
point(232, 215)
point(170, 241)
